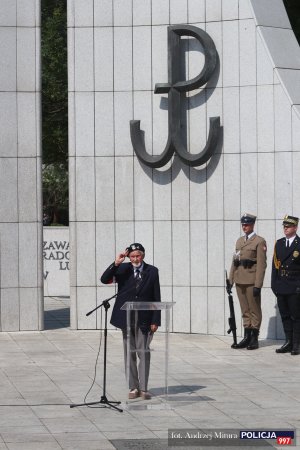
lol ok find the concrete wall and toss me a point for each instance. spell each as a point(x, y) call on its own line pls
point(188, 219)
point(21, 301)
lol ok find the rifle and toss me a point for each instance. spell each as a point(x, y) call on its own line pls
point(231, 318)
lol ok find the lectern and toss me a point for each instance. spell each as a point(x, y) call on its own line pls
point(159, 345)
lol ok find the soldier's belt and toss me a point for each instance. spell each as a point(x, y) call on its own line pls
point(246, 263)
point(289, 273)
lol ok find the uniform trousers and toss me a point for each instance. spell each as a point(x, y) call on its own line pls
point(289, 308)
point(139, 346)
point(250, 306)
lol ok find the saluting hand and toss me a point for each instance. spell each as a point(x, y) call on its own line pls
point(120, 257)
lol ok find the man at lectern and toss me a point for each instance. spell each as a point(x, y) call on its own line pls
point(138, 282)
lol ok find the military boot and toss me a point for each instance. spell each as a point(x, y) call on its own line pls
point(287, 346)
point(296, 344)
point(245, 341)
point(288, 331)
point(253, 345)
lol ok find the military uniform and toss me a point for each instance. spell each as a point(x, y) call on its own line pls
point(247, 272)
point(285, 284)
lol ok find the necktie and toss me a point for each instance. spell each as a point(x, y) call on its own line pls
point(287, 243)
point(137, 274)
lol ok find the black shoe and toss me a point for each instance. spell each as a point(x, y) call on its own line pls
point(295, 352)
point(286, 347)
point(253, 345)
point(245, 341)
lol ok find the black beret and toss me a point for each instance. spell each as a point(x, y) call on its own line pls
point(135, 246)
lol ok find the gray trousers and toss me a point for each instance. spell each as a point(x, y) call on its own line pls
point(139, 346)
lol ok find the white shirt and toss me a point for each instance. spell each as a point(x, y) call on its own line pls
point(140, 269)
point(250, 235)
point(290, 241)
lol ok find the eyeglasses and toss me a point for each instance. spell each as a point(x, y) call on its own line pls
point(288, 226)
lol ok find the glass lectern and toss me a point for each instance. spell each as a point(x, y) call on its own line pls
point(158, 348)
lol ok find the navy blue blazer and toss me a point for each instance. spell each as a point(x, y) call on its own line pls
point(286, 278)
point(147, 291)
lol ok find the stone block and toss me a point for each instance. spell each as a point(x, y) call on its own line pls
point(8, 13)
point(83, 13)
point(105, 189)
point(28, 13)
point(10, 314)
point(84, 59)
point(215, 315)
point(122, 13)
point(8, 124)
point(182, 310)
point(215, 241)
point(8, 48)
point(231, 106)
point(162, 253)
point(178, 11)
point(247, 45)
point(232, 187)
point(160, 12)
point(141, 12)
point(143, 195)
point(9, 271)
point(196, 11)
point(231, 61)
point(266, 185)
point(28, 254)
point(104, 63)
point(86, 258)
point(84, 123)
point(249, 178)
point(181, 271)
point(122, 58)
point(230, 10)
point(85, 189)
point(198, 246)
point(282, 120)
point(104, 124)
point(103, 13)
point(265, 119)
point(124, 188)
point(214, 11)
point(122, 116)
point(283, 190)
point(198, 309)
point(8, 189)
point(142, 58)
point(28, 184)
point(248, 119)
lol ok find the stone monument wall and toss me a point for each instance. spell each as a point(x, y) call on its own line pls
point(188, 218)
point(21, 300)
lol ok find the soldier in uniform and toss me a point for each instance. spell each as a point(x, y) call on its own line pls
point(286, 284)
point(247, 272)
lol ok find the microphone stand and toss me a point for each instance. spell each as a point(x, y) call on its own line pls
point(103, 401)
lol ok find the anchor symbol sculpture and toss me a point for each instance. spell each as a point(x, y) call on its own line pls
point(174, 88)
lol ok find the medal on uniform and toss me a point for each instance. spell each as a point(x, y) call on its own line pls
point(295, 254)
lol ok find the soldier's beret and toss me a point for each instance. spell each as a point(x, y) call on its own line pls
point(247, 219)
point(290, 220)
point(135, 246)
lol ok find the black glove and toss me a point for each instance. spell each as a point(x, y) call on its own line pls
point(228, 288)
point(256, 292)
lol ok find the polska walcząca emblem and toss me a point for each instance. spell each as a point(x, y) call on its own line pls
point(174, 88)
